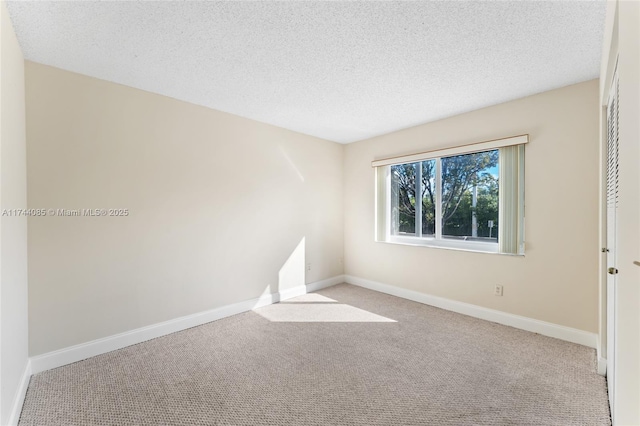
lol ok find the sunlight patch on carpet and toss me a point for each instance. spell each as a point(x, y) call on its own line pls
point(310, 298)
point(318, 312)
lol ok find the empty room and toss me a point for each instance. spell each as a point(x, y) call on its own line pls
point(319, 213)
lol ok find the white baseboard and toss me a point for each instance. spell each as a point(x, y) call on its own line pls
point(292, 292)
point(601, 362)
point(319, 285)
point(86, 350)
point(21, 392)
point(602, 366)
point(524, 323)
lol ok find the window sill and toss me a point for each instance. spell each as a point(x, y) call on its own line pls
point(469, 246)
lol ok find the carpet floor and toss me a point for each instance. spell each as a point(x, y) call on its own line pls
point(341, 356)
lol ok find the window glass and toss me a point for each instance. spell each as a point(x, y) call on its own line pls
point(454, 201)
point(470, 196)
point(429, 198)
point(403, 199)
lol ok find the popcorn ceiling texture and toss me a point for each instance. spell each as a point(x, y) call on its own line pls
point(342, 71)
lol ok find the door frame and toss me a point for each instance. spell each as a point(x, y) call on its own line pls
point(605, 360)
point(610, 246)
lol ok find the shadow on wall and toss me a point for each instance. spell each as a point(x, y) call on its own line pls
point(292, 273)
point(298, 306)
point(291, 163)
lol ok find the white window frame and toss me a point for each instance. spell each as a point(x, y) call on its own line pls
point(515, 206)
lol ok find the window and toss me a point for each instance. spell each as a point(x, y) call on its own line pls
point(468, 198)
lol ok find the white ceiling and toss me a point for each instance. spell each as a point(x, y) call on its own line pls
point(342, 71)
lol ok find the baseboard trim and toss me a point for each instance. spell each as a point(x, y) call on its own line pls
point(319, 285)
point(21, 393)
point(601, 362)
point(524, 323)
point(602, 366)
point(86, 350)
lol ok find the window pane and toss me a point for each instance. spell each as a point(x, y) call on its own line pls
point(429, 198)
point(403, 199)
point(470, 197)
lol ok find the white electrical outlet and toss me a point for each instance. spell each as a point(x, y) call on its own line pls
point(308, 266)
point(497, 290)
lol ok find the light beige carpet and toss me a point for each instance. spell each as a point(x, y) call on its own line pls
point(342, 356)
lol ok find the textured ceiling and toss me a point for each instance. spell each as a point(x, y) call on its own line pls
point(342, 71)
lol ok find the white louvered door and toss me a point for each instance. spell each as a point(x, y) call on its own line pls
point(612, 207)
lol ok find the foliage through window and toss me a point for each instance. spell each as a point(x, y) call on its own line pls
point(455, 201)
point(469, 206)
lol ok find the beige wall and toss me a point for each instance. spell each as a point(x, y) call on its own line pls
point(556, 281)
point(13, 230)
point(622, 45)
point(218, 205)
